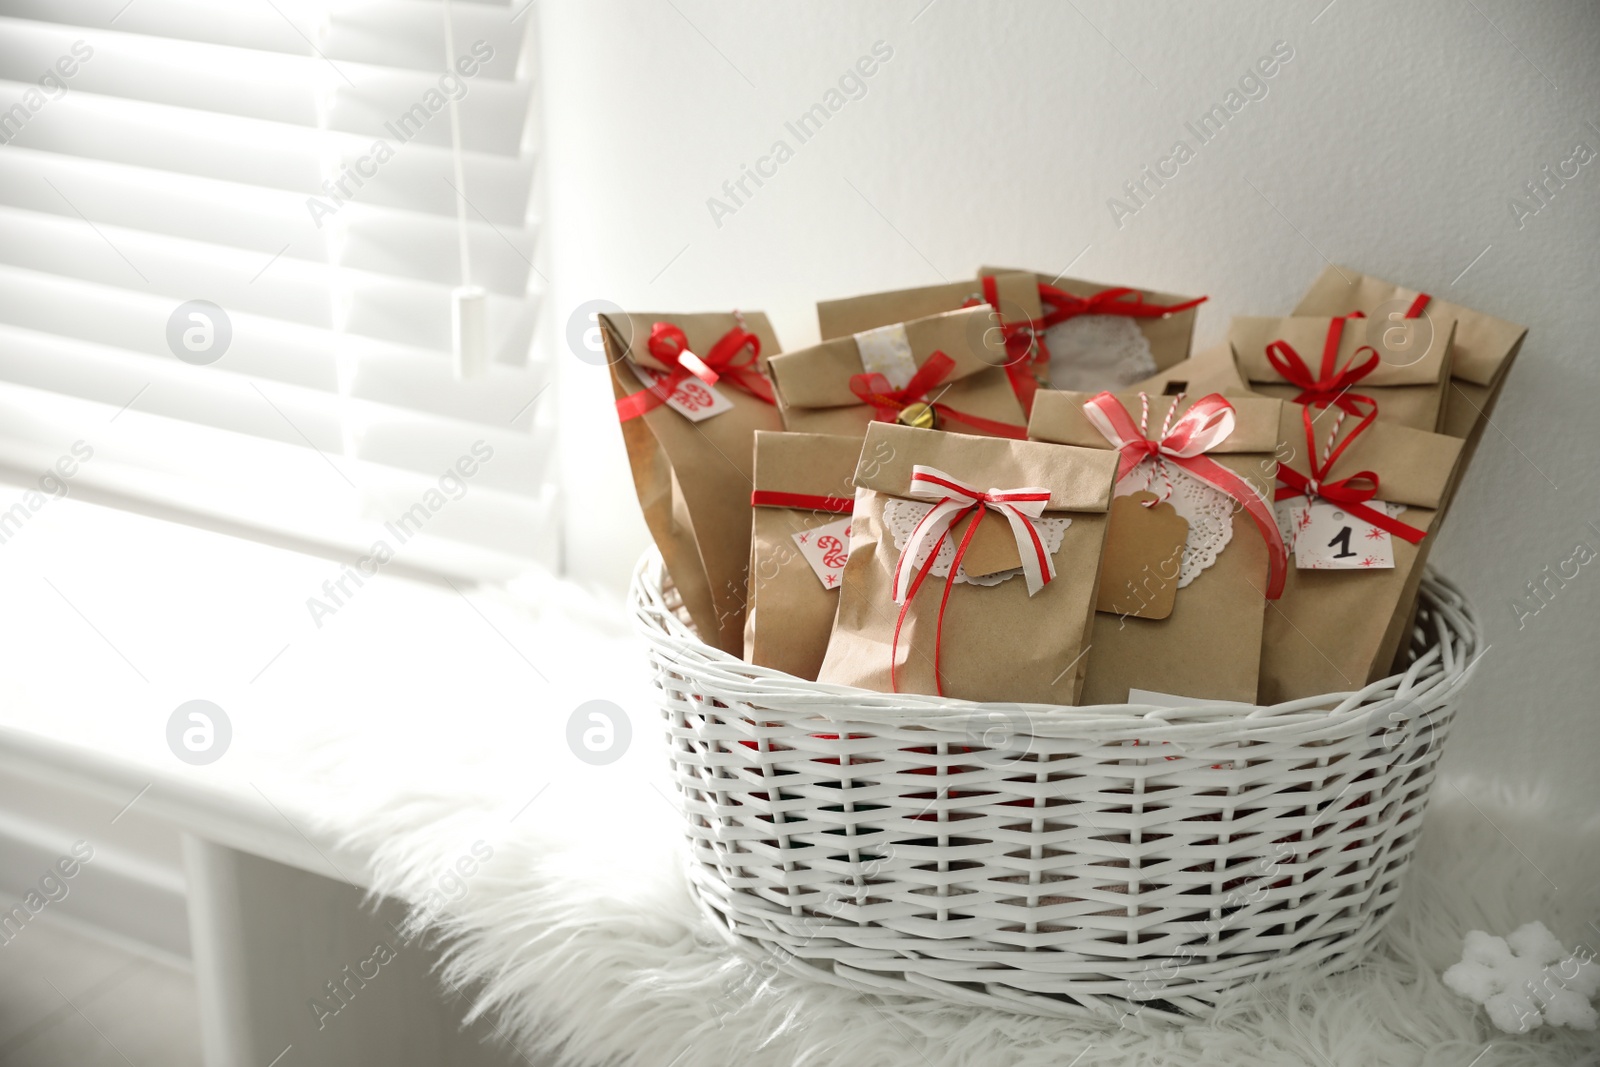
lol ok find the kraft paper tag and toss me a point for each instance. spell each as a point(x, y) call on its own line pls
point(827, 549)
point(693, 399)
point(1143, 558)
point(993, 548)
point(887, 351)
point(1327, 538)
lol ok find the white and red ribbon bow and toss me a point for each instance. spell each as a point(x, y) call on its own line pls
point(1206, 424)
point(953, 502)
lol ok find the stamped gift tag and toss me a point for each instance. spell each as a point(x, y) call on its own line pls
point(1143, 558)
point(693, 399)
point(826, 548)
point(1326, 537)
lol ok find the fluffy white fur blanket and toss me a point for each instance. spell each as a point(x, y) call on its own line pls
point(580, 937)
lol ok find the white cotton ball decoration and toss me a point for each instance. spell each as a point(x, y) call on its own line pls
point(1527, 979)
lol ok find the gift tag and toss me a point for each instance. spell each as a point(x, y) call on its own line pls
point(1326, 537)
point(1143, 558)
point(693, 399)
point(826, 548)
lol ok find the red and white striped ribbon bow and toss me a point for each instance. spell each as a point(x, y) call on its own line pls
point(954, 501)
point(1206, 424)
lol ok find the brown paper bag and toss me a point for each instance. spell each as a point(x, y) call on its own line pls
point(1409, 389)
point(694, 478)
point(1331, 630)
point(1484, 349)
point(1013, 300)
point(1017, 294)
point(804, 493)
point(1105, 345)
point(1211, 371)
point(1209, 647)
point(999, 643)
point(957, 353)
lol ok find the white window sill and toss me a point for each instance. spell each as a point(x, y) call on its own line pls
point(404, 686)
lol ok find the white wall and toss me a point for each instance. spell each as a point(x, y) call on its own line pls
point(1392, 141)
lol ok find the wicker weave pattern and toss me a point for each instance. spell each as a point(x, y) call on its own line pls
point(1057, 861)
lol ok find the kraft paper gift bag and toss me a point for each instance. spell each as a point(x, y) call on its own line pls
point(799, 541)
point(690, 443)
point(1093, 337)
point(1184, 582)
point(972, 569)
point(943, 372)
point(1204, 373)
point(1322, 361)
point(1012, 298)
point(1356, 549)
point(1484, 349)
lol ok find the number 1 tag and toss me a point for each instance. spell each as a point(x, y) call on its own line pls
point(1328, 538)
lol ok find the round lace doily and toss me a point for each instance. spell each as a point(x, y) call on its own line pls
point(1207, 509)
point(1090, 353)
point(902, 516)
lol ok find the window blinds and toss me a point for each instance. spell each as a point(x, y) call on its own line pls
point(228, 241)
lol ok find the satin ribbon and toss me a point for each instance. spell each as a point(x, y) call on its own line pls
point(767, 498)
point(726, 362)
point(1330, 387)
point(953, 502)
point(1418, 306)
point(1061, 305)
point(1206, 424)
point(876, 390)
point(1350, 493)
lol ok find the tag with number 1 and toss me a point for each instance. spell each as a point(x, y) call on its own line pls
point(1328, 538)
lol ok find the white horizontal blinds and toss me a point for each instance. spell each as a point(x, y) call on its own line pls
point(289, 162)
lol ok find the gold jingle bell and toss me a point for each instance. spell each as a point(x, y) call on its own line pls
point(917, 414)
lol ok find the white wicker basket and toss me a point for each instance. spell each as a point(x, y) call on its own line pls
point(1059, 861)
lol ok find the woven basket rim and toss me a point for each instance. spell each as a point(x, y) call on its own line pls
point(1434, 676)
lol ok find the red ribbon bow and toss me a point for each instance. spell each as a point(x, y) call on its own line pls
point(888, 402)
point(1061, 305)
point(954, 502)
point(1021, 341)
point(1350, 493)
point(1331, 387)
point(1206, 424)
point(731, 359)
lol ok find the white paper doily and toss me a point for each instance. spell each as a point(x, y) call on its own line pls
point(902, 516)
point(1207, 509)
point(1090, 353)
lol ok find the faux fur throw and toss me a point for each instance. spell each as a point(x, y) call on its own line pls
point(579, 935)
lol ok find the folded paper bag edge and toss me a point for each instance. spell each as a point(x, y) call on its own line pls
point(836, 316)
point(1249, 335)
point(819, 376)
point(1079, 479)
point(1058, 418)
point(1414, 467)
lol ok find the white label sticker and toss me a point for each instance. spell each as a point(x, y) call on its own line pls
point(1326, 537)
point(693, 399)
point(887, 351)
point(826, 548)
